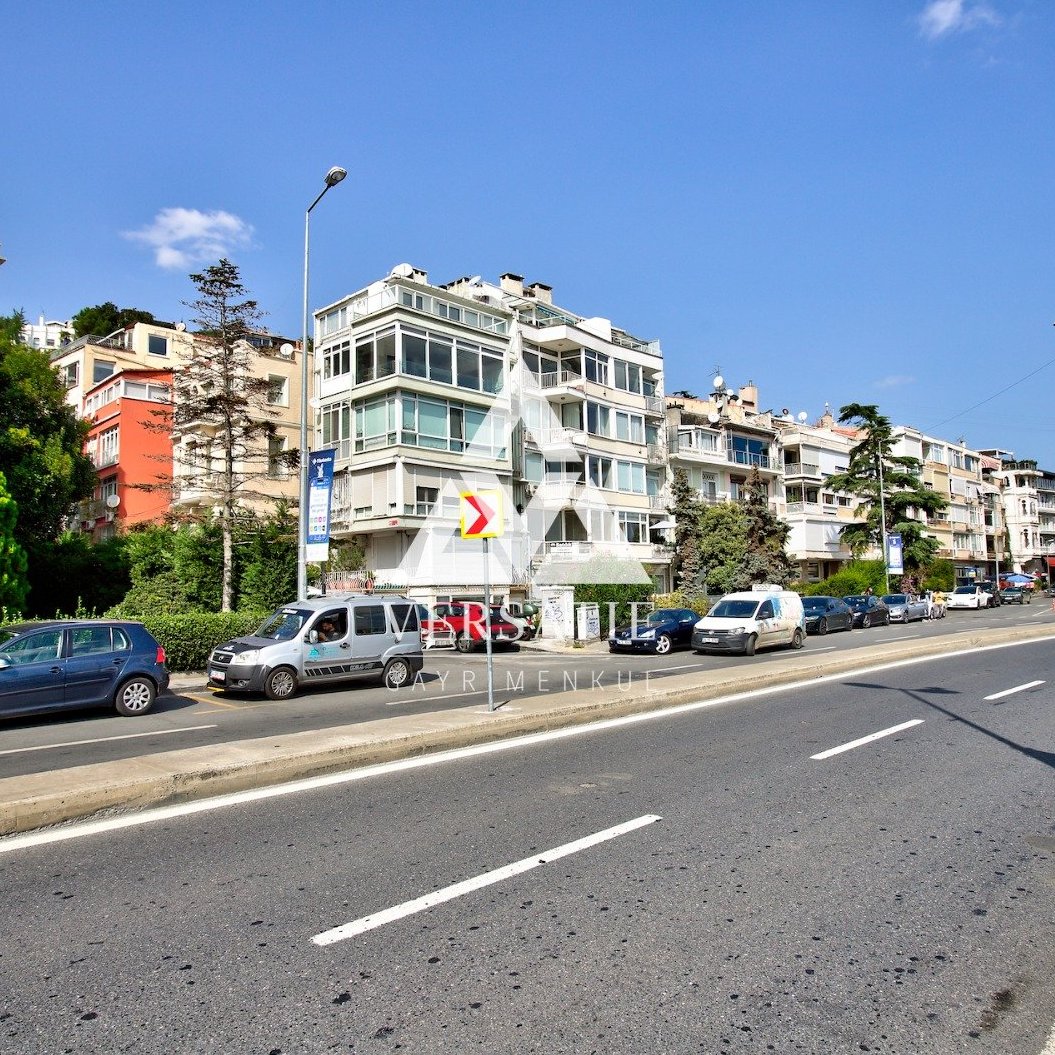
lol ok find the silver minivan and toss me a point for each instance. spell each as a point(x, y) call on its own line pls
point(320, 641)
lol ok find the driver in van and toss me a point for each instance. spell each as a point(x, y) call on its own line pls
point(328, 631)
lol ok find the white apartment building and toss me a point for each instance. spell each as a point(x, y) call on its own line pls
point(1027, 495)
point(47, 334)
point(426, 391)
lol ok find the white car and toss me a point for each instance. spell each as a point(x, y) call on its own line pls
point(968, 597)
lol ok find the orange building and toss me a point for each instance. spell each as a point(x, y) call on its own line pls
point(130, 444)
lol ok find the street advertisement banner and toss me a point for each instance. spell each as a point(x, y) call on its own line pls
point(320, 490)
point(895, 563)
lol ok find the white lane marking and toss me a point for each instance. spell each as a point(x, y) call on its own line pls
point(103, 739)
point(1017, 688)
point(433, 699)
point(514, 743)
point(1049, 1048)
point(867, 739)
point(467, 886)
point(811, 651)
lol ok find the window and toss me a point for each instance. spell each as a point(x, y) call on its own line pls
point(157, 345)
point(277, 390)
point(70, 374)
point(108, 488)
point(337, 428)
point(34, 648)
point(369, 619)
point(90, 640)
point(101, 370)
point(414, 358)
point(634, 526)
point(277, 465)
point(375, 424)
point(108, 447)
point(336, 361)
point(596, 367)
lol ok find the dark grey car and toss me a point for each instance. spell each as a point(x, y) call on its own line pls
point(61, 665)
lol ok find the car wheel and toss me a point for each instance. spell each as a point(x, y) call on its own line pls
point(797, 639)
point(866, 621)
point(396, 674)
point(464, 643)
point(749, 648)
point(663, 644)
point(280, 684)
point(822, 626)
point(134, 697)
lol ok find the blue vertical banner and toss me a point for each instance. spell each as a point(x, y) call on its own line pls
point(895, 560)
point(320, 490)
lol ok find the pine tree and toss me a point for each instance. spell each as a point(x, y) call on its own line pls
point(221, 414)
point(13, 562)
point(765, 559)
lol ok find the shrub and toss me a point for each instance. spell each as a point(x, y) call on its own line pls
point(189, 638)
point(680, 599)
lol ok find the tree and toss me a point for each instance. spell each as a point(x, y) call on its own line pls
point(686, 509)
point(218, 401)
point(268, 564)
point(94, 575)
point(41, 445)
point(11, 326)
point(104, 319)
point(13, 562)
point(723, 546)
point(765, 559)
point(885, 483)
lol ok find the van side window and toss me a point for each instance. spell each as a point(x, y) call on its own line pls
point(766, 610)
point(370, 619)
point(404, 617)
point(332, 626)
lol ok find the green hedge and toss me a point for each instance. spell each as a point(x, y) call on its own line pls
point(188, 639)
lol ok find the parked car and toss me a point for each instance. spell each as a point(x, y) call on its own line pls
point(827, 613)
point(466, 620)
point(664, 629)
point(322, 641)
point(1016, 595)
point(991, 588)
point(53, 666)
point(436, 632)
point(905, 607)
point(753, 619)
point(868, 610)
point(969, 597)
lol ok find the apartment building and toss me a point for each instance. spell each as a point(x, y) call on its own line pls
point(117, 382)
point(46, 334)
point(426, 391)
point(815, 512)
point(1027, 496)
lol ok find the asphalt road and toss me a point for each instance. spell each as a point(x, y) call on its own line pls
point(44, 743)
point(895, 896)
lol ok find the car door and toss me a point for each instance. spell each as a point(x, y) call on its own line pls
point(33, 674)
point(686, 621)
point(327, 654)
point(95, 657)
point(370, 637)
point(768, 631)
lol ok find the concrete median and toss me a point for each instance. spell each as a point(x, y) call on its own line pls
point(44, 799)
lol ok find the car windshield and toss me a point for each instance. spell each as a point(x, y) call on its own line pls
point(5, 636)
point(661, 615)
point(815, 604)
point(285, 624)
point(964, 589)
point(857, 603)
point(895, 598)
point(734, 609)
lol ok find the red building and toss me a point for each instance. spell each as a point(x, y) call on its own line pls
point(130, 444)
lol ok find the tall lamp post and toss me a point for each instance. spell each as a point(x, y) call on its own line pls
point(333, 177)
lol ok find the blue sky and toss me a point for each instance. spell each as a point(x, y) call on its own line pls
point(843, 201)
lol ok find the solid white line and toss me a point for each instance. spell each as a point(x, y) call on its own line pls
point(103, 739)
point(867, 739)
point(680, 666)
point(294, 787)
point(467, 886)
point(807, 652)
point(1017, 688)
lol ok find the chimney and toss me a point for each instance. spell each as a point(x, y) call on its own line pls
point(542, 292)
point(512, 284)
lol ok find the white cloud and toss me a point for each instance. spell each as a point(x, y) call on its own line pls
point(895, 381)
point(941, 17)
point(184, 238)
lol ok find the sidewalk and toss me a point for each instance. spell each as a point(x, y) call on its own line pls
point(42, 799)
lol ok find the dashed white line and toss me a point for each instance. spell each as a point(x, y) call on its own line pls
point(866, 739)
point(467, 886)
point(1017, 688)
point(104, 739)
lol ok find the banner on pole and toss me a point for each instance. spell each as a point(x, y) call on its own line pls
point(895, 560)
point(320, 490)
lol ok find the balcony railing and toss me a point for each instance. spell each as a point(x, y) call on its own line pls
point(758, 461)
point(559, 379)
point(802, 469)
point(655, 406)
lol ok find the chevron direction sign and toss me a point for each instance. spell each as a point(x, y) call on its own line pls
point(482, 514)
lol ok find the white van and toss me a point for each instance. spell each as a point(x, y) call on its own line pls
point(764, 617)
point(323, 640)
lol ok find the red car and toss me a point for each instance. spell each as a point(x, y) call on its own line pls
point(466, 621)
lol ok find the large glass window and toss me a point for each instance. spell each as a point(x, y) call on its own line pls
point(337, 360)
point(596, 367)
point(468, 366)
point(375, 424)
point(441, 367)
point(157, 345)
point(414, 358)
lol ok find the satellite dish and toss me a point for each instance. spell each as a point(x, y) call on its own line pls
point(286, 351)
point(714, 417)
point(803, 416)
point(718, 382)
point(112, 501)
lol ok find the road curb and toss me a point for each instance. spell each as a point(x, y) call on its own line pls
point(42, 800)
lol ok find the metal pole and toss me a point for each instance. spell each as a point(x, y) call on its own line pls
point(882, 520)
point(333, 177)
point(487, 626)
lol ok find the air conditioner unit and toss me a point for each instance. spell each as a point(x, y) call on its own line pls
point(530, 489)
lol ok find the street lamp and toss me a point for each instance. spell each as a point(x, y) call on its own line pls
point(333, 177)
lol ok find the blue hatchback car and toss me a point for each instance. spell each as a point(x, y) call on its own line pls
point(60, 665)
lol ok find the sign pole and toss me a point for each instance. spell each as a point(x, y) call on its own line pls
point(487, 625)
